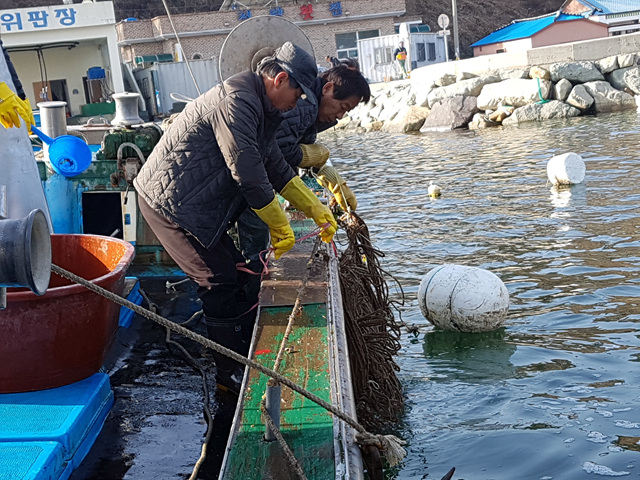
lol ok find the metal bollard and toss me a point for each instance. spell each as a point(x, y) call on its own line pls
point(272, 403)
point(53, 116)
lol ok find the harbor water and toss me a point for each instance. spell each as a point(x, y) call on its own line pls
point(555, 394)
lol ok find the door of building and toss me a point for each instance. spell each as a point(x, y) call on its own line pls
point(52, 90)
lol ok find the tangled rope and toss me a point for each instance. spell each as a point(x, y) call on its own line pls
point(372, 333)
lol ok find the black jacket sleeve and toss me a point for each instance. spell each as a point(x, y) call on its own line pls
point(14, 75)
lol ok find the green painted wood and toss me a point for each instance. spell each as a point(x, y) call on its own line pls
point(307, 427)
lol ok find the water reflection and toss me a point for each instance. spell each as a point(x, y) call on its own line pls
point(563, 196)
point(474, 357)
point(551, 391)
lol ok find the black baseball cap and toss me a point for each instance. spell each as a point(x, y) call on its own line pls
point(300, 65)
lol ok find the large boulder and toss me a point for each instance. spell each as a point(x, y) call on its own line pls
point(421, 97)
point(575, 72)
point(465, 76)
point(510, 73)
point(632, 79)
point(608, 99)
point(479, 121)
point(626, 60)
point(445, 79)
point(450, 113)
point(580, 98)
point(539, 72)
point(465, 88)
point(562, 89)
point(418, 95)
point(409, 119)
point(616, 78)
point(607, 65)
point(541, 111)
point(515, 92)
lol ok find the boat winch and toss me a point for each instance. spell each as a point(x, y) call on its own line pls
point(130, 141)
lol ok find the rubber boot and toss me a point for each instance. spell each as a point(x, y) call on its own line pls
point(228, 333)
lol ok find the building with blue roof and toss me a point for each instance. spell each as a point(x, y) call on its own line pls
point(576, 20)
point(552, 29)
point(621, 16)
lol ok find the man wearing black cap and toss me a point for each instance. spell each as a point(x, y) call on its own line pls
point(218, 156)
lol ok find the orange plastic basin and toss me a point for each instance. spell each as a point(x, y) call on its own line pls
point(62, 337)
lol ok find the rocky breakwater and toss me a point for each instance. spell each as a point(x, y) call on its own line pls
point(502, 97)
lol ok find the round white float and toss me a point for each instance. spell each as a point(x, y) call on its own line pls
point(566, 169)
point(466, 299)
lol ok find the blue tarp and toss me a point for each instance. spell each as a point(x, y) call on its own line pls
point(523, 29)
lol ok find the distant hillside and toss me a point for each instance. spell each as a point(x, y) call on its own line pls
point(476, 18)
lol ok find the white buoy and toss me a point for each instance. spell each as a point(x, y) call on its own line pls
point(566, 169)
point(466, 299)
point(434, 190)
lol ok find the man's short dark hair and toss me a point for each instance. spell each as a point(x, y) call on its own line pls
point(347, 82)
point(269, 67)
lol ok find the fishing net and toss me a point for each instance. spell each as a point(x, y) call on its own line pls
point(373, 335)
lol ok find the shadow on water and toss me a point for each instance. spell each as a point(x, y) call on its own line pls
point(479, 357)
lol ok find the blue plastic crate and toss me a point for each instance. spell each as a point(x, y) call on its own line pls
point(96, 73)
point(71, 416)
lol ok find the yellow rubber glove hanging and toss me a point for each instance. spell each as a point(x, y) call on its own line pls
point(330, 179)
point(305, 200)
point(12, 108)
point(31, 120)
point(282, 238)
point(314, 155)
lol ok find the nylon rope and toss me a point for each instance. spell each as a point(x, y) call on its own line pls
point(389, 445)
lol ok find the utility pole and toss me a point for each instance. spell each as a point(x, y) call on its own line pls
point(456, 40)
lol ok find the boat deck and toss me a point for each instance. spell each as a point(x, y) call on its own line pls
point(315, 358)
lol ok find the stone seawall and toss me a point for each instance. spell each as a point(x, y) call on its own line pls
point(595, 76)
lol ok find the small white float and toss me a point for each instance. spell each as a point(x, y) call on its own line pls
point(466, 299)
point(434, 190)
point(566, 169)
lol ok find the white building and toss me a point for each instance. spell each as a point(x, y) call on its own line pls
point(378, 64)
point(54, 47)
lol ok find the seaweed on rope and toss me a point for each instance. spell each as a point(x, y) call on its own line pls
point(373, 335)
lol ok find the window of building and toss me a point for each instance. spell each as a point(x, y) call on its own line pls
point(383, 55)
point(431, 52)
point(196, 56)
point(420, 53)
point(347, 43)
point(500, 50)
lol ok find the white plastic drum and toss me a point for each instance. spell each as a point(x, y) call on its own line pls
point(466, 299)
point(566, 169)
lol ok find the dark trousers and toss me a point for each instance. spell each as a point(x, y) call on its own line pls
point(253, 236)
point(225, 292)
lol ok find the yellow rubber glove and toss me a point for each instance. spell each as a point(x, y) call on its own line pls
point(282, 237)
point(12, 108)
point(330, 179)
point(314, 155)
point(31, 120)
point(305, 200)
